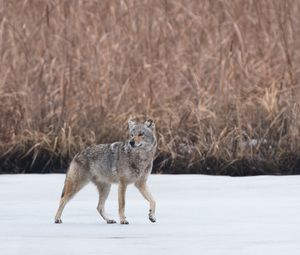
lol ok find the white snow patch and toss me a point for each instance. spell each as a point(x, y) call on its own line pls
point(196, 215)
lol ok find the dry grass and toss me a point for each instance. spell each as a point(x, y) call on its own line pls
point(220, 78)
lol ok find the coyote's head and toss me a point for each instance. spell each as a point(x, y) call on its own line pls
point(142, 135)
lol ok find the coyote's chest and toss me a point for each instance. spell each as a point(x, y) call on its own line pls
point(138, 165)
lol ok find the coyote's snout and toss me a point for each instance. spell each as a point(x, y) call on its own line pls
point(120, 162)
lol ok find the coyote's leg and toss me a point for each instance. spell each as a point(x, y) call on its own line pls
point(76, 179)
point(143, 188)
point(104, 189)
point(121, 198)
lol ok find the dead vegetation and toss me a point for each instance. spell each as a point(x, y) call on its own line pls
point(220, 78)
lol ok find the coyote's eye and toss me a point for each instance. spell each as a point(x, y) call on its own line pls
point(141, 134)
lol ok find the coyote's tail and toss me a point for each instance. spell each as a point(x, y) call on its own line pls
point(70, 172)
point(76, 178)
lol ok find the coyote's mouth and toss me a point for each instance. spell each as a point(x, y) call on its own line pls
point(135, 146)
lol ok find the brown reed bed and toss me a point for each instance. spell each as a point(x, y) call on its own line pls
point(220, 78)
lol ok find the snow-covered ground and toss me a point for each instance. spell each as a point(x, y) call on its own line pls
point(196, 215)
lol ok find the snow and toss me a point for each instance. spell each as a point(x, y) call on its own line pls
point(196, 215)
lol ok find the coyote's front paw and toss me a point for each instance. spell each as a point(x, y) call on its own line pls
point(111, 222)
point(58, 221)
point(152, 217)
point(124, 222)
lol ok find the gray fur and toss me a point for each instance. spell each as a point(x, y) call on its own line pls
point(120, 162)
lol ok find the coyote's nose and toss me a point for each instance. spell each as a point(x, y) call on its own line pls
point(131, 143)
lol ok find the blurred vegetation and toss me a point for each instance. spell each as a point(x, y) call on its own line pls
point(220, 79)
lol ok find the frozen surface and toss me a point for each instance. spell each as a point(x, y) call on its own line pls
point(196, 215)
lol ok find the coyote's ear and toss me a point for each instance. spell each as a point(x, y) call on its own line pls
point(131, 123)
point(150, 124)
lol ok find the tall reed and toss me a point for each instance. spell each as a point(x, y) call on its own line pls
point(220, 78)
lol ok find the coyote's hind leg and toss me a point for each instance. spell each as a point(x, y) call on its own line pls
point(103, 189)
point(76, 179)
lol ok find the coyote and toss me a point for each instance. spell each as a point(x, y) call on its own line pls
point(120, 162)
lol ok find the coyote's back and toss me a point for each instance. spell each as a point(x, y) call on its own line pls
point(120, 162)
